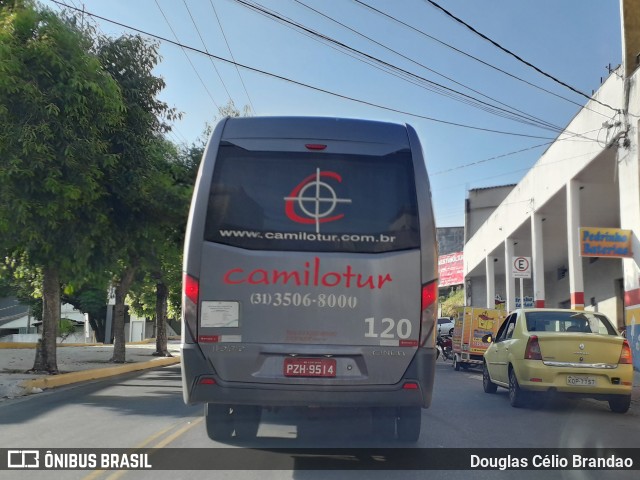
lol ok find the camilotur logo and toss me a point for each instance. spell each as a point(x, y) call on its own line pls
point(315, 199)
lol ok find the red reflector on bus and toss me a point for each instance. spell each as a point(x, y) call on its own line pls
point(410, 386)
point(315, 146)
point(207, 381)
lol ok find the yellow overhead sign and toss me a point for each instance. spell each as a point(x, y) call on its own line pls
point(605, 242)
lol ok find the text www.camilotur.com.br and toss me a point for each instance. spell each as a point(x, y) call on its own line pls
point(307, 236)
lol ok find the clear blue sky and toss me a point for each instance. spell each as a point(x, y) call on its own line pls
point(573, 40)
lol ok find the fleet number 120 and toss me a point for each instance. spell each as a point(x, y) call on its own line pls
point(388, 328)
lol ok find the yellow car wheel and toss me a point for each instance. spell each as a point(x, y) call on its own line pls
point(516, 395)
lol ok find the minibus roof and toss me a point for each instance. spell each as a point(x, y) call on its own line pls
point(316, 128)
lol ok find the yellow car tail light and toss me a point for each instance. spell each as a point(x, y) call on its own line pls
point(532, 352)
point(625, 354)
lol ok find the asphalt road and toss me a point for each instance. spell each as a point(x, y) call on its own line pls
point(146, 410)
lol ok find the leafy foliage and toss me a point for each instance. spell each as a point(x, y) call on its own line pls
point(141, 200)
point(452, 304)
point(91, 193)
point(58, 108)
point(67, 327)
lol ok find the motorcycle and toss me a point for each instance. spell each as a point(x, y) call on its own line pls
point(445, 347)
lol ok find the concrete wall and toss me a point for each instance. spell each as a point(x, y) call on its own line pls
point(450, 240)
point(77, 337)
point(479, 290)
point(601, 282)
point(480, 204)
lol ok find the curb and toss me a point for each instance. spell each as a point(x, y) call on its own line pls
point(95, 374)
point(17, 345)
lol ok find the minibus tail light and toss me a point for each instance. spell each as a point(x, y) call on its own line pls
point(191, 288)
point(428, 314)
point(429, 295)
point(190, 295)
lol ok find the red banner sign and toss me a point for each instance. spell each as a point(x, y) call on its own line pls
point(451, 269)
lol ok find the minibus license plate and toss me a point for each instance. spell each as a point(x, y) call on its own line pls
point(309, 367)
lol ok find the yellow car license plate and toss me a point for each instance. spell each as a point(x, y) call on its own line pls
point(581, 381)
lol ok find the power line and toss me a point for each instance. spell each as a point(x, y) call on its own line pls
point(432, 86)
point(461, 52)
point(232, 57)
point(205, 49)
point(532, 117)
point(517, 57)
point(177, 42)
point(311, 87)
point(478, 162)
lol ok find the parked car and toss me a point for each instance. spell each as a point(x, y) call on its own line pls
point(445, 326)
point(570, 352)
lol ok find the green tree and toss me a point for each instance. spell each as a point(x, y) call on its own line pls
point(58, 107)
point(18, 279)
point(453, 303)
point(158, 295)
point(163, 257)
point(230, 110)
point(135, 209)
point(91, 299)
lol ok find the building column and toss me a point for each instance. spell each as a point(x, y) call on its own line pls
point(491, 281)
point(628, 157)
point(576, 279)
point(509, 249)
point(537, 262)
point(629, 183)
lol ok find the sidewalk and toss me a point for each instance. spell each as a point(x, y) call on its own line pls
point(77, 363)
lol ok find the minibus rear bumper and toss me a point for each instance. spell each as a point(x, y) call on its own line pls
point(201, 384)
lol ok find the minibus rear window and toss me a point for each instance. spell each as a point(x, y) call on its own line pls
point(313, 201)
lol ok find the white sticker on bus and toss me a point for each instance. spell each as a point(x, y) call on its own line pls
point(220, 314)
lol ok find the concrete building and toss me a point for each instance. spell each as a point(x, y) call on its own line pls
point(575, 184)
point(450, 240)
point(450, 262)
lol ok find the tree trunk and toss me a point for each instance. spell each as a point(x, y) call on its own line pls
point(122, 289)
point(98, 327)
point(161, 321)
point(46, 360)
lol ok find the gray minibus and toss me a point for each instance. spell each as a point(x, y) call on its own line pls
point(310, 273)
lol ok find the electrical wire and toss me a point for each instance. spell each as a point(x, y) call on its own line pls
point(531, 117)
point(253, 109)
point(461, 52)
point(177, 42)
point(431, 85)
point(224, 85)
point(520, 59)
point(311, 87)
point(478, 162)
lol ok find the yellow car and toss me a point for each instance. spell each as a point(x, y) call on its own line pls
point(570, 352)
